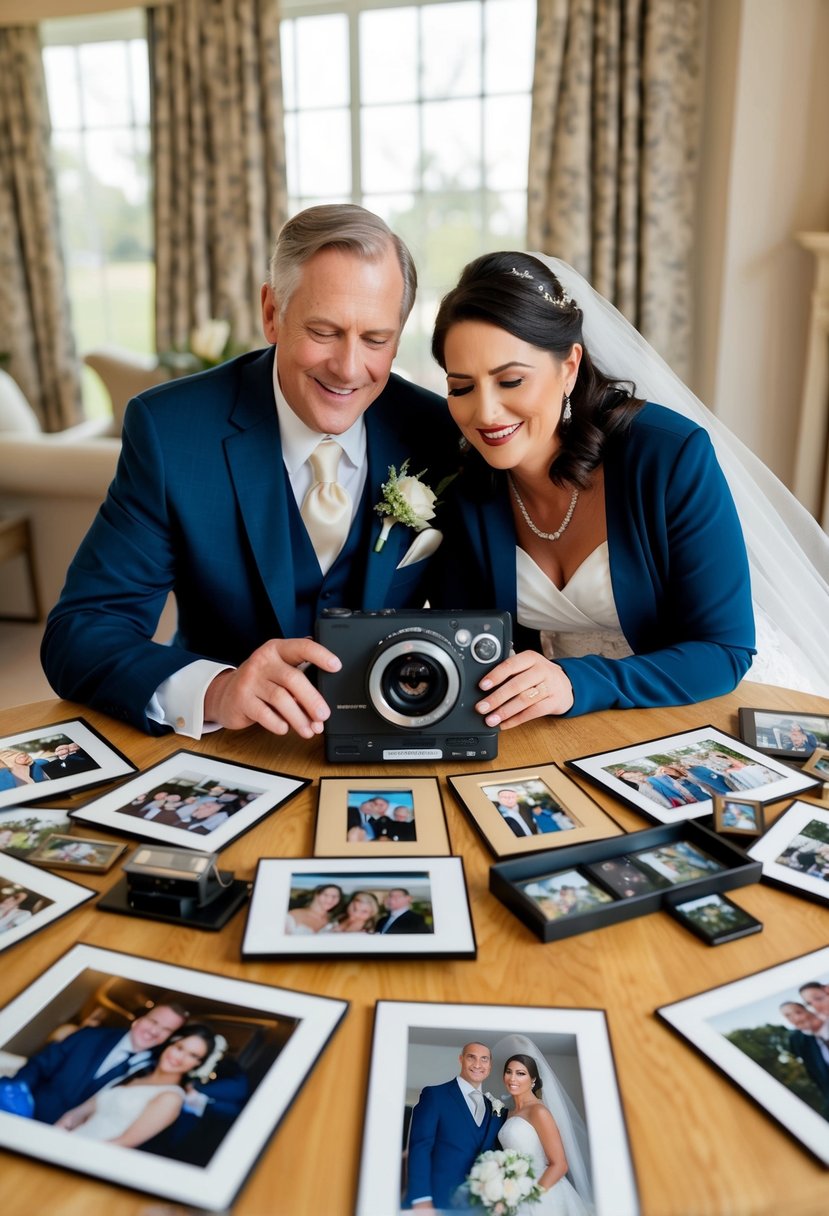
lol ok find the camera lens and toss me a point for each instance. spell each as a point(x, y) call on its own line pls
point(486, 648)
point(413, 682)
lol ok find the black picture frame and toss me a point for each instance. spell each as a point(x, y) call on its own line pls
point(697, 751)
point(508, 880)
point(714, 918)
point(31, 899)
point(793, 849)
point(93, 761)
point(278, 1033)
point(768, 730)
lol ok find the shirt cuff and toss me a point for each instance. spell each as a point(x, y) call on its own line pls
point(179, 700)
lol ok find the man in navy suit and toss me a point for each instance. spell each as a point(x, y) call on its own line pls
point(399, 917)
point(62, 1075)
point(207, 498)
point(809, 1046)
point(451, 1125)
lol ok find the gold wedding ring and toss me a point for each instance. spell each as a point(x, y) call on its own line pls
point(533, 692)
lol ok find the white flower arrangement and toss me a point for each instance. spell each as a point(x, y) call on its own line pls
point(496, 1103)
point(407, 500)
point(209, 340)
point(501, 1180)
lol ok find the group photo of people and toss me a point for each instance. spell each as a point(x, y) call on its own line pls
point(380, 815)
point(692, 774)
point(528, 808)
point(191, 801)
point(364, 904)
point(808, 851)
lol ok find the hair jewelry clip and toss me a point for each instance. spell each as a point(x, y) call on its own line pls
point(563, 301)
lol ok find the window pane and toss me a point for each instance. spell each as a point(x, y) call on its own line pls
point(451, 144)
point(323, 152)
point(507, 141)
point(61, 68)
point(451, 49)
point(287, 47)
point(390, 148)
point(507, 220)
point(104, 72)
point(388, 55)
point(322, 61)
point(139, 82)
point(510, 46)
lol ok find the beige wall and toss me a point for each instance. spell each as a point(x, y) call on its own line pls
point(764, 176)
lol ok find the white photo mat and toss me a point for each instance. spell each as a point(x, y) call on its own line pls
point(108, 762)
point(214, 1186)
point(784, 782)
point(63, 895)
point(756, 1000)
point(273, 789)
point(779, 836)
point(452, 935)
point(613, 1178)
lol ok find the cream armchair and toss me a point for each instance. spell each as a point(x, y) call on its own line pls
point(58, 481)
point(124, 374)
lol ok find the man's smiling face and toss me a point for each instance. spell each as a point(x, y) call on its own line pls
point(337, 337)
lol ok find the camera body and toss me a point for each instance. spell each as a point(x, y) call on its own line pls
point(409, 683)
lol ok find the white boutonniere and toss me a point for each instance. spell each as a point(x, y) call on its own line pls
point(496, 1104)
point(407, 500)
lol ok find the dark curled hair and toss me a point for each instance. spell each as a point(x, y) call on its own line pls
point(198, 1029)
point(532, 1068)
point(505, 289)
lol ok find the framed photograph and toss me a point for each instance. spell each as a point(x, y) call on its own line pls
point(714, 918)
point(24, 829)
point(761, 1032)
point(676, 777)
point(738, 816)
point(192, 801)
point(779, 732)
point(226, 1038)
point(351, 907)
point(606, 882)
point(795, 851)
point(48, 761)
point(386, 817)
point(77, 853)
point(530, 810)
point(31, 899)
point(413, 1101)
point(818, 766)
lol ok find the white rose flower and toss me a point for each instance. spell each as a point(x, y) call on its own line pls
point(419, 498)
point(521, 1165)
point(494, 1189)
point(488, 1170)
point(209, 340)
point(512, 1190)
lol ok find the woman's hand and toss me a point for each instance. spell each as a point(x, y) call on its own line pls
point(523, 687)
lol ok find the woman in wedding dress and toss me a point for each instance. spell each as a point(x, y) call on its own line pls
point(545, 1125)
point(316, 914)
point(631, 583)
point(133, 1111)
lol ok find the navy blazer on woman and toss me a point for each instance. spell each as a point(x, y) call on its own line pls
point(678, 568)
point(201, 505)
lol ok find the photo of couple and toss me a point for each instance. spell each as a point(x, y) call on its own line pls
point(157, 1071)
point(43, 759)
point(364, 904)
point(568, 893)
point(380, 815)
point(452, 1122)
point(51, 760)
point(528, 808)
point(191, 801)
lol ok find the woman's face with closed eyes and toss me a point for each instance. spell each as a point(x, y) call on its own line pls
point(506, 395)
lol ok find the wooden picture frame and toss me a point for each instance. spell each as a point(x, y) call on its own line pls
point(343, 829)
point(739, 816)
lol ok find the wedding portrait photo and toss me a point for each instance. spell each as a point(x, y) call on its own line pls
point(402, 817)
point(191, 800)
point(360, 907)
point(108, 1051)
point(677, 777)
point(454, 1086)
point(767, 1034)
point(55, 760)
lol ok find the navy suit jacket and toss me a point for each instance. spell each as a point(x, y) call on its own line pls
point(444, 1141)
point(678, 568)
point(62, 1075)
point(807, 1047)
point(200, 506)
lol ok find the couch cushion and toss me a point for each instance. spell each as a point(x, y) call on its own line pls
point(16, 415)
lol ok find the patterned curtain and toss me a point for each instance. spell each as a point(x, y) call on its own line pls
point(35, 332)
point(613, 154)
point(218, 161)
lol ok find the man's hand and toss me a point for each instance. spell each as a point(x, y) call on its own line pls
point(523, 687)
point(269, 688)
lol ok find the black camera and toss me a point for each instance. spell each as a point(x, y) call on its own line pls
point(409, 682)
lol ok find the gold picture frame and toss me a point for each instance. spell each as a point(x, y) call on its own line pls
point(343, 830)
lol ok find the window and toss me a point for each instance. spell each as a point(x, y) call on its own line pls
point(97, 81)
point(420, 112)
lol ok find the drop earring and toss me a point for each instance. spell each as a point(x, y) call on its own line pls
point(567, 412)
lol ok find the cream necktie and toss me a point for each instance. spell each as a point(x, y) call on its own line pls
point(326, 508)
point(478, 1102)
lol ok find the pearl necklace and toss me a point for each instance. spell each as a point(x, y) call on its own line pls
point(562, 528)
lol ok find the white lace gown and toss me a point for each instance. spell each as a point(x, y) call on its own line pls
point(117, 1109)
point(561, 1199)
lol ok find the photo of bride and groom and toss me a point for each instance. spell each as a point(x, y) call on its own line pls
point(454, 1122)
point(169, 1078)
